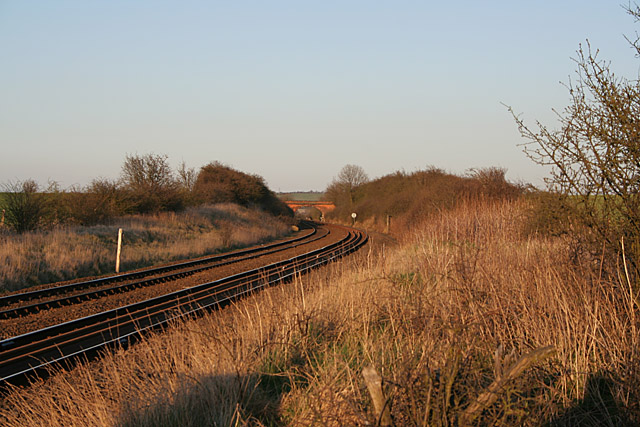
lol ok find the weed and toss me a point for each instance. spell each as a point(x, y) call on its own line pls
point(73, 251)
point(507, 332)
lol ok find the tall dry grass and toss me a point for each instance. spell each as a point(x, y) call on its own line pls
point(68, 252)
point(444, 318)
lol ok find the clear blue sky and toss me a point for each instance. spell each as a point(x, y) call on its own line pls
point(290, 90)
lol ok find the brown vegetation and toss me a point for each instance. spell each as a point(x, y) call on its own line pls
point(342, 190)
point(68, 252)
point(469, 320)
point(147, 185)
point(24, 208)
point(150, 184)
point(218, 183)
point(490, 309)
point(595, 153)
point(408, 197)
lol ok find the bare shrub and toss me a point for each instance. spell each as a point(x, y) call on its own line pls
point(494, 183)
point(26, 207)
point(99, 202)
point(453, 320)
point(151, 183)
point(595, 154)
point(217, 183)
point(186, 178)
point(411, 197)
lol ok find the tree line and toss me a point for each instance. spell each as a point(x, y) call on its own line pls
point(411, 197)
point(593, 191)
point(147, 184)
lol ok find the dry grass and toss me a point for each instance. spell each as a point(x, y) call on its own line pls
point(443, 318)
point(69, 252)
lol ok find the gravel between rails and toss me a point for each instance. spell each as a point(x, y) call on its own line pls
point(229, 257)
point(45, 318)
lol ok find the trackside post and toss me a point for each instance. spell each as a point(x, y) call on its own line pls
point(119, 249)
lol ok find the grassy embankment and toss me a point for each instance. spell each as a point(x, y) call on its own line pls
point(451, 317)
point(68, 252)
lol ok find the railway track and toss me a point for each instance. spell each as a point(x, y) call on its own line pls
point(22, 304)
point(34, 353)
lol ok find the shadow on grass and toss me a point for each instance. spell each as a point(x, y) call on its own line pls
point(599, 407)
point(219, 400)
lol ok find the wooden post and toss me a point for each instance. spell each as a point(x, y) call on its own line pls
point(119, 249)
point(388, 224)
point(380, 404)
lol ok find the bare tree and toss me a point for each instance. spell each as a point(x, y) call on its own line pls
point(151, 182)
point(342, 189)
point(352, 176)
point(151, 171)
point(187, 177)
point(595, 154)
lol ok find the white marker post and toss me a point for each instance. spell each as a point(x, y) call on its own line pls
point(353, 215)
point(119, 248)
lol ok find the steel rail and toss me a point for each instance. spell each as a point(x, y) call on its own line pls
point(135, 324)
point(41, 293)
point(189, 268)
point(35, 352)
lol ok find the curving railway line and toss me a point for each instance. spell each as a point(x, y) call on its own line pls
point(63, 343)
point(21, 304)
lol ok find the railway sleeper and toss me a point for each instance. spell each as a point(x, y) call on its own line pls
point(192, 300)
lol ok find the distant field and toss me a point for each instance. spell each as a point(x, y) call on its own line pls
point(302, 196)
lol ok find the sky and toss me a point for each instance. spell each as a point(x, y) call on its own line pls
point(289, 90)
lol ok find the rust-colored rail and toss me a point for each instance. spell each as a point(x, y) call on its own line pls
point(76, 292)
point(34, 353)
